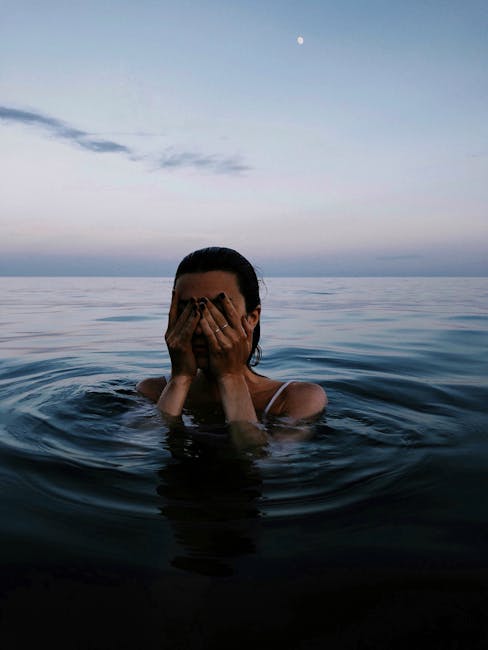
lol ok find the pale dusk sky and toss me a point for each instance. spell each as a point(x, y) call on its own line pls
point(134, 132)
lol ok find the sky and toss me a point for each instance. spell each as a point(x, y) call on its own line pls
point(133, 132)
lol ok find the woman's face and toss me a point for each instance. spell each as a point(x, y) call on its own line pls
point(209, 285)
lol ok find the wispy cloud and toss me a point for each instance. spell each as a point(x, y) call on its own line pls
point(170, 159)
point(173, 160)
point(63, 131)
point(479, 154)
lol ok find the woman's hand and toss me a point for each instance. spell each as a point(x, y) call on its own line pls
point(229, 337)
point(183, 363)
point(178, 338)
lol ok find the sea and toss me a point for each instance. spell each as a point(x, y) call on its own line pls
point(371, 534)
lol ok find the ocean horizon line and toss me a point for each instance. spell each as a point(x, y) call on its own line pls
point(267, 275)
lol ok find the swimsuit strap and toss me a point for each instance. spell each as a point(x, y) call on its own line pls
point(276, 395)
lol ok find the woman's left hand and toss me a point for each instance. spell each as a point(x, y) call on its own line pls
point(229, 337)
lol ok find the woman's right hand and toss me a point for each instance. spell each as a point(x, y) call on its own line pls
point(178, 338)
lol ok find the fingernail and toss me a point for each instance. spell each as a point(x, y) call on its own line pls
point(201, 306)
point(221, 296)
point(204, 300)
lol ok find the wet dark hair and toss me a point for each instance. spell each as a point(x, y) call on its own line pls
point(219, 258)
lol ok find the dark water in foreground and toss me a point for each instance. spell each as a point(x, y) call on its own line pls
point(374, 534)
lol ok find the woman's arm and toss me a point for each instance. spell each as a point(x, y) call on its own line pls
point(240, 412)
point(173, 397)
point(152, 387)
point(296, 410)
point(303, 401)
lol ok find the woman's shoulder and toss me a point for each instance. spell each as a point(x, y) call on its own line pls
point(152, 387)
point(300, 400)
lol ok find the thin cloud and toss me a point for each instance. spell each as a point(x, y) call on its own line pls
point(168, 160)
point(63, 131)
point(174, 160)
point(479, 154)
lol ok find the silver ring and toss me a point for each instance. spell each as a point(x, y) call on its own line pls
point(217, 330)
point(224, 326)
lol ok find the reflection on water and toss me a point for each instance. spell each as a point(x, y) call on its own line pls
point(210, 495)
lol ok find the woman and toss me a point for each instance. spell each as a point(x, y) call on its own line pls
point(212, 338)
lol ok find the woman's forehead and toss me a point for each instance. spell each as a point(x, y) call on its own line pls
point(208, 284)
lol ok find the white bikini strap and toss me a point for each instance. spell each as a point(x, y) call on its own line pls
point(275, 396)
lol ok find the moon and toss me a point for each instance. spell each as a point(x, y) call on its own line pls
point(300, 40)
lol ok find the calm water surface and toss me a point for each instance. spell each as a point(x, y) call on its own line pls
point(372, 534)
